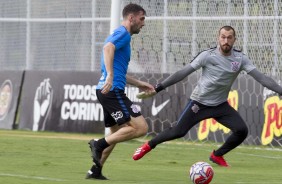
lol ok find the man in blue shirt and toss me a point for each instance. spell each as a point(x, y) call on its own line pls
point(121, 115)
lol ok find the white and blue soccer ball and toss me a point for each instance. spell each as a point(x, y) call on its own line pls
point(201, 173)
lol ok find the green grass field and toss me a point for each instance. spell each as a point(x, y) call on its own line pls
point(60, 158)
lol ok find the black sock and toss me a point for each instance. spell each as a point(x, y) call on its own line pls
point(96, 170)
point(152, 146)
point(218, 153)
point(102, 144)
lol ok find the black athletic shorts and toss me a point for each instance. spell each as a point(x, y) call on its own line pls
point(118, 108)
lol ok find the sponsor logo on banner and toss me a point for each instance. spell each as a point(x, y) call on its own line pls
point(131, 93)
point(272, 126)
point(81, 103)
point(157, 109)
point(42, 104)
point(6, 93)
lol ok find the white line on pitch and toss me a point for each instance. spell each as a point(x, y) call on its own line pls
point(218, 145)
point(31, 177)
point(251, 182)
point(262, 156)
point(165, 146)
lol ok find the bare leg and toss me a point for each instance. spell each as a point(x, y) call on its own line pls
point(106, 153)
point(136, 127)
point(96, 172)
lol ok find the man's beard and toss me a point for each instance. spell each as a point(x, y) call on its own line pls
point(135, 31)
point(226, 48)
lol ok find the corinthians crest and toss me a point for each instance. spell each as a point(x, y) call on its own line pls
point(195, 108)
point(235, 66)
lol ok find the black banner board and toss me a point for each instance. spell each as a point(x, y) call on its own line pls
point(62, 101)
point(10, 87)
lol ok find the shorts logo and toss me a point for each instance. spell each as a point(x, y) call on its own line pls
point(195, 108)
point(135, 108)
point(117, 115)
point(235, 66)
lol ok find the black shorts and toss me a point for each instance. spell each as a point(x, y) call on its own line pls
point(118, 108)
point(226, 115)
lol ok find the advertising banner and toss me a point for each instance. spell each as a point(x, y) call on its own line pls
point(10, 87)
point(66, 101)
point(63, 101)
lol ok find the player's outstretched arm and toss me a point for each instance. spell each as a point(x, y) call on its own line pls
point(176, 77)
point(172, 79)
point(143, 86)
point(150, 93)
point(266, 81)
point(147, 90)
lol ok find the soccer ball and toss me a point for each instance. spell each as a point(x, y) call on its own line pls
point(201, 173)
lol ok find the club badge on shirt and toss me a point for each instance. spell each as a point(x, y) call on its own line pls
point(235, 66)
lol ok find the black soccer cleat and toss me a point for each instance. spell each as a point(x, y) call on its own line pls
point(95, 173)
point(96, 154)
point(96, 177)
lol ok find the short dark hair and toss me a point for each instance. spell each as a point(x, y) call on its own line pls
point(227, 28)
point(132, 8)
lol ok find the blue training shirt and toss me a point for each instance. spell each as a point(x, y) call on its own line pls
point(121, 39)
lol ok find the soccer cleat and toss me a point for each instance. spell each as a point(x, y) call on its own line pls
point(96, 154)
point(96, 173)
point(219, 160)
point(141, 151)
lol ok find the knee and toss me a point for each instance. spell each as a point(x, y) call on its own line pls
point(243, 132)
point(178, 132)
point(142, 130)
point(181, 133)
